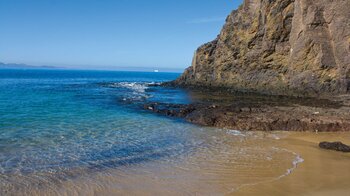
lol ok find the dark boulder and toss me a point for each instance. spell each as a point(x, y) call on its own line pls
point(337, 146)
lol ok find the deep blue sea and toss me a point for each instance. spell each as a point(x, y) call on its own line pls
point(59, 125)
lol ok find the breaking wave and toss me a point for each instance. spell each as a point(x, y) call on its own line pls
point(140, 87)
point(133, 91)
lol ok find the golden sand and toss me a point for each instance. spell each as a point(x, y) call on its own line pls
point(322, 172)
point(261, 164)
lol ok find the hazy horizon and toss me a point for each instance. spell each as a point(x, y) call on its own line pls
point(110, 34)
point(5, 65)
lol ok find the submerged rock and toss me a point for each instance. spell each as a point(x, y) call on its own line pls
point(337, 146)
point(285, 47)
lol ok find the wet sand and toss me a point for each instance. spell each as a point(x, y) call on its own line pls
point(229, 163)
point(322, 172)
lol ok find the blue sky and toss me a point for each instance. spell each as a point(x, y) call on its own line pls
point(108, 33)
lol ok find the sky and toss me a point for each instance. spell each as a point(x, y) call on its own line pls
point(108, 33)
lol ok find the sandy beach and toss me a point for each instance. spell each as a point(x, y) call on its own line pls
point(319, 172)
point(175, 98)
point(322, 172)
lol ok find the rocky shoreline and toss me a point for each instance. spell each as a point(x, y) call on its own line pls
point(281, 47)
point(263, 113)
point(297, 48)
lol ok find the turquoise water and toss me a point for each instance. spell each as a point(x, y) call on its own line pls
point(53, 121)
point(59, 125)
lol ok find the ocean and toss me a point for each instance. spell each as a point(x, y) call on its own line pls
point(65, 132)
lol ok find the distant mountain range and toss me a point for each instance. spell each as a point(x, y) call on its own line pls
point(23, 66)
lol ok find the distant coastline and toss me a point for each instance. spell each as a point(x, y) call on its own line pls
point(25, 66)
point(92, 68)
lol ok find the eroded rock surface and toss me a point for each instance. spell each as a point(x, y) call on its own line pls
point(259, 115)
point(286, 47)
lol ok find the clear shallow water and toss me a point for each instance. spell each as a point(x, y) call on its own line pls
point(82, 127)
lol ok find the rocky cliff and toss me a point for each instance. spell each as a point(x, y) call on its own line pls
point(288, 47)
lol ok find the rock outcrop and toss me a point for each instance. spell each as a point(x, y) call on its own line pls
point(249, 116)
point(337, 146)
point(285, 47)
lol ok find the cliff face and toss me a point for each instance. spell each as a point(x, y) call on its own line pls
point(289, 47)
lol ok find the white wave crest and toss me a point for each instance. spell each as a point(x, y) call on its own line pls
point(235, 133)
point(135, 86)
